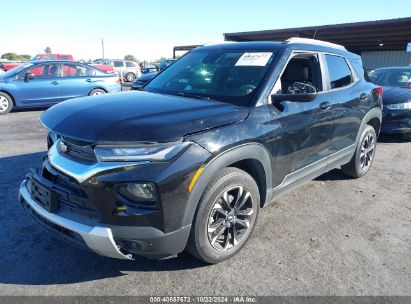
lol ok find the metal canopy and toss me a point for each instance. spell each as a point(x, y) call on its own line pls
point(382, 35)
point(184, 48)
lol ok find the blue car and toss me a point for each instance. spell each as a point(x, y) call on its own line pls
point(45, 83)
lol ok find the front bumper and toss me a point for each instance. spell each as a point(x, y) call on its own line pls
point(106, 239)
point(98, 238)
point(396, 121)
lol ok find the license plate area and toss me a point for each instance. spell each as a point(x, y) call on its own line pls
point(43, 196)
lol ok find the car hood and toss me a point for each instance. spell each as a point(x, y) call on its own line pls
point(396, 95)
point(146, 77)
point(138, 116)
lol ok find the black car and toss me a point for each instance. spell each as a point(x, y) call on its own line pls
point(189, 161)
point(396, 83)
point(143, 80)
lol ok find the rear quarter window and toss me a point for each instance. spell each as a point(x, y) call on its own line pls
point(339, 72)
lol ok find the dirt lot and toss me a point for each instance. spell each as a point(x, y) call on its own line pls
point(332, 236)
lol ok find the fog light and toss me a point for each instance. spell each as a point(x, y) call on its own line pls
point(139, 192)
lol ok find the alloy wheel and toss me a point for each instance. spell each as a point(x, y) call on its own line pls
point(230, 218)
point(367, 151)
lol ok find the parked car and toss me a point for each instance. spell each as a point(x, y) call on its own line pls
point(189, 161)
point(129, 70)
point(147, 77)
point(396, 82)
point(46, 56)
point(143, 80)
point(44, 83)
point(158, 67)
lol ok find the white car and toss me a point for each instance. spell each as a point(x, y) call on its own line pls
point(129, 70)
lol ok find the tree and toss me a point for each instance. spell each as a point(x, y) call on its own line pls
point(15, 57)
point(47, 50)
point(130, 58)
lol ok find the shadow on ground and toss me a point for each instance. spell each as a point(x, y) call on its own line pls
point(30, 255)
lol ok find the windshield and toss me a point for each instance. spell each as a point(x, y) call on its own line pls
point(225, 75)
point(391, 77)
point(17, 70)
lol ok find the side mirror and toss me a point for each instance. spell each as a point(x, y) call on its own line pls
point(28, 77)
point(297, 92)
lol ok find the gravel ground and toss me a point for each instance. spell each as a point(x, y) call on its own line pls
point(332, 236)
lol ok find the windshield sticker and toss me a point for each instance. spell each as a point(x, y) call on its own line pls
point(254, 59)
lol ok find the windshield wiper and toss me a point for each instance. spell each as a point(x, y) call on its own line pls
point(184, 94)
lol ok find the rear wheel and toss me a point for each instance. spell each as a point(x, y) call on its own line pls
point(364, 154)
point(96, 92)
point(130, 77)
point(225, 217)
point(6, 103)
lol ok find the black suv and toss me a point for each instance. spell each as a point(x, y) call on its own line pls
point(188, 162)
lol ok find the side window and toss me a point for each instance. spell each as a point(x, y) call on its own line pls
point(338, 71)
point(65, 57)
point(301, 69)
point(130, 64)
point(44, 71)
point(118, 64)
point(71, 70)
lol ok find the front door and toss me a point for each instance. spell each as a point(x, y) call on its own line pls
point(44, 89)
point(306, 125)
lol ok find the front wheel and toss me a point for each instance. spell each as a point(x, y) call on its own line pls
point(364, 154)
point(226, 216)
point(6, 103)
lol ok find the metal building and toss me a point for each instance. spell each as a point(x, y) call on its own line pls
point(380, 43)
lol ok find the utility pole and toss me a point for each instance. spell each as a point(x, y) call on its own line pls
point(102, 46)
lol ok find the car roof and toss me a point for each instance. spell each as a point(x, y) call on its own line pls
point(57, 61)
point(298, 44)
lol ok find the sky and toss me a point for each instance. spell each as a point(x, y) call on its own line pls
point(148, 29)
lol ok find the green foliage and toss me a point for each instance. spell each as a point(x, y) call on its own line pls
point(130, 57)
point(47, 50)
point(15, 57)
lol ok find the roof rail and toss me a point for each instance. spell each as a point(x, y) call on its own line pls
point(314, 42)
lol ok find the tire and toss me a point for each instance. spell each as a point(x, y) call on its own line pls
point(130, 77)
point(6, 103)
point(212, 234)
point(96, 92)
point(364, 154)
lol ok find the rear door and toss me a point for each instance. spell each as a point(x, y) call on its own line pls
point(44, 89)
point(78, 80)
point(345, 93)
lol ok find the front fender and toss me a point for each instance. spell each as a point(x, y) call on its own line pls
point(253, 151)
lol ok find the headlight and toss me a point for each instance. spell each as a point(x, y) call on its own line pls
point(139, 153)
point(399, 106)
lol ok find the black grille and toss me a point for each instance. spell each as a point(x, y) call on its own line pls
point(68, 191)
point(79, 150)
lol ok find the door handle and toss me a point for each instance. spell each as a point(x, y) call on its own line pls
point(89, 80)
point(326, 105)
point(363, 96)
point(55, 82)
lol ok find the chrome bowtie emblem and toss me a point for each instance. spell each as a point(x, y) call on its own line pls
point(63, 147)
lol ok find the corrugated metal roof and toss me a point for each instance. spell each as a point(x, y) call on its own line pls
point(380, 35)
